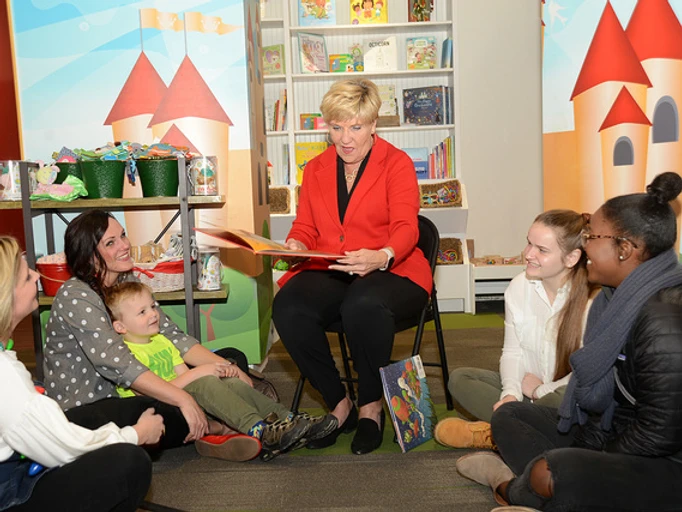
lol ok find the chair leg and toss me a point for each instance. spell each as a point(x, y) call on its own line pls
point(441, 350)
point(297, 394)
point(419, 334)
point(346, 366)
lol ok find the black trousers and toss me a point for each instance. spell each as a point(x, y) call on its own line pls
point(126, 411)
point(584, 479)
point(367, 307)
point(114, 478)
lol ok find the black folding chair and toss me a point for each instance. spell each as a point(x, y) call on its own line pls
point(428, 243)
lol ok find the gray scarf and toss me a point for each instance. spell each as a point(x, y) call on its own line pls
point(591, 387)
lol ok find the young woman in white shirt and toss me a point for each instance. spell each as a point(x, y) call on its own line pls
point(545, 308)
point(46, 462)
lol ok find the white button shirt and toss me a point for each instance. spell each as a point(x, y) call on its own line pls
point(530, 331)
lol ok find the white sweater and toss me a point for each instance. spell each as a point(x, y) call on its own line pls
point(35, 426)
point(530, 333)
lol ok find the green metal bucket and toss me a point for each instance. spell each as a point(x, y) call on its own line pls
point(103, 178)
point(68, 169)
point(158, 177)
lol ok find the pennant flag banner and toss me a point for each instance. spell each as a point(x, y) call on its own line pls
point(197, 22)
point(153, 18)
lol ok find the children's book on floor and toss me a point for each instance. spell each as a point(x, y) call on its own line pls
point(273, 60)
point(312, 50)
point(409, 402)
point(316, 12)
point(380, 54)
point(304, 152)
point(421, 52)
point(368, 11)
point(257, 244)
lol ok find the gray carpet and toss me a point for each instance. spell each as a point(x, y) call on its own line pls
point(422, 479)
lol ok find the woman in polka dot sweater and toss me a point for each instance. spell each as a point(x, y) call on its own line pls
point(46, 461)
point(85, 358)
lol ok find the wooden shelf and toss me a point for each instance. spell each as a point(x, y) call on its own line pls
point(139, 203)
point(178, 295)
point(390, 73)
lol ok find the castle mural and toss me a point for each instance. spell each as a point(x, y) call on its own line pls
point(618, 125)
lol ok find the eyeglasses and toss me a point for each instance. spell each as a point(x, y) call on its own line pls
point(590, 236)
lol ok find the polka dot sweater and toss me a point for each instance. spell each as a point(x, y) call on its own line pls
point(85, 358)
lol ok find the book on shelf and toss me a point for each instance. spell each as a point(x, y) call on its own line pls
point(409, 402)
point(419, 10)
point(426, 105)
point(388, 112)
point(310, 121)
point(256, 244)
point(420, 159)
point(312, 50)
point(380, 54)
point(281, 111)
point(446, 53)
point(273, 60)
point(357, 53)
point(341, 63)
point(304, 152)
point(421, 52)
point(316, 12)
point(368, 12)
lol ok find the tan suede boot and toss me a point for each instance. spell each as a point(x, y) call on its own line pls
point(459, 433)
point(485, 468)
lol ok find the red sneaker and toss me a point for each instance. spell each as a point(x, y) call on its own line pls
point(232, 447)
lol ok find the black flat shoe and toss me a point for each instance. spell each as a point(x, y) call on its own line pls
point(348, 426)
point(369, 435)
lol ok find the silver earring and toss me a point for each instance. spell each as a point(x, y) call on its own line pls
point(620, 258)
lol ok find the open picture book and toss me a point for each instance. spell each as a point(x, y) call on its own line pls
point(259, 245)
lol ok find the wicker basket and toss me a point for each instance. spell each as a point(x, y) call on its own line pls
point(280, 200)
point(442, 194)
point(450, 252)
point(166, 276)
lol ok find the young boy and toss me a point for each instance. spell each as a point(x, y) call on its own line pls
point(217, 387)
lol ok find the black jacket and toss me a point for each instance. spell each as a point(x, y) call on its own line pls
point(648, 418)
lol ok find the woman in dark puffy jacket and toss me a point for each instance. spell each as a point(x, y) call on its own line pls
point(615, 443)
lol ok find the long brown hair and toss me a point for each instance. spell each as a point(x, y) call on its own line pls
point(567, 226)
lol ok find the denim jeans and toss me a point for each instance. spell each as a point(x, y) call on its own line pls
point(584, 480)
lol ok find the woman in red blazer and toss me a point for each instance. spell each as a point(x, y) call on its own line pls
point(359, 198)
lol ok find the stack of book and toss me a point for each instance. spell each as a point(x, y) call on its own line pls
point(435, 163)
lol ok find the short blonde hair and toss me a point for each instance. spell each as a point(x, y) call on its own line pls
point(10, 259)
point(123, 291)
point(356, 98)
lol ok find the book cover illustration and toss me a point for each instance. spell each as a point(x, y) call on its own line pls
point(273, 60)
point(421, 52)
point(313, 52)
point(420, 158)
point(424, 105)
point(388, 112)
point(316, 12)
point(380, 54)
point(409, 402)
point(257, 244)
point(341, 63)
point(304, 152)
point(446, 53)
point(357, 53)
point(368, 11)
point(311, 121)
point(419, 10)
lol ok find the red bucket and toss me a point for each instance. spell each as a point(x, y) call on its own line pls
point(52, 276)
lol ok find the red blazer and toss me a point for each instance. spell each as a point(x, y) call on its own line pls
point(382, 212)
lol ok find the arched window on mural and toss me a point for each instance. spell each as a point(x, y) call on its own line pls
point(623, 152)
point(666, 121)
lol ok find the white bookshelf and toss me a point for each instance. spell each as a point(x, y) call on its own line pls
point(305, 91)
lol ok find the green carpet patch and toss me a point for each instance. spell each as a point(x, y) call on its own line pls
point(467, 321)
point(342, 445)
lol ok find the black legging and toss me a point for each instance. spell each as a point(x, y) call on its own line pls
point(126, 411)
point(115, 478)
point(367, 307)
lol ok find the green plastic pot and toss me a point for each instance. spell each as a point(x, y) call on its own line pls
point(103, 178)
point(158, 177)
point(68, 169)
